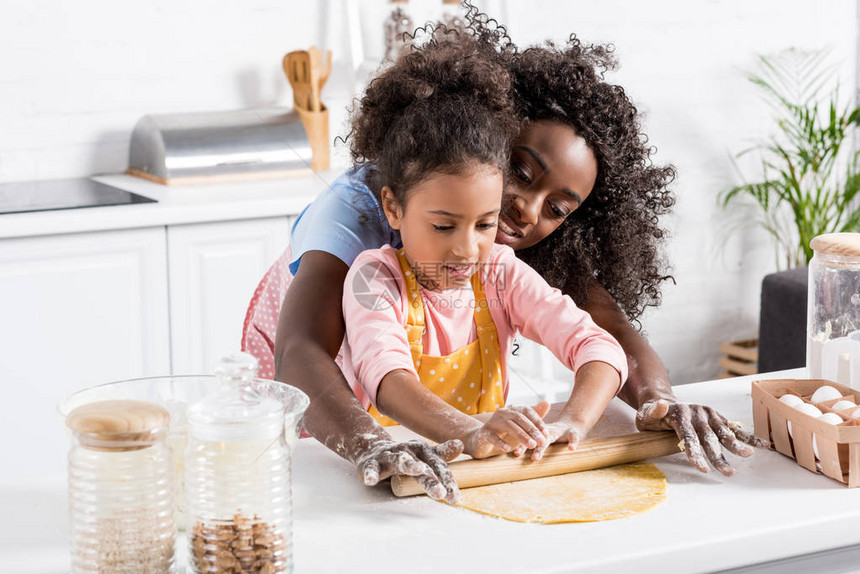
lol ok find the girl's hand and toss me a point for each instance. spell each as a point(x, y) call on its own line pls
point(702, 430)
point(427, 463)
point(560, 431)
point(511, 429)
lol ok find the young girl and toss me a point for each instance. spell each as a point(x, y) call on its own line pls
point(428, 325)
point(579, 132)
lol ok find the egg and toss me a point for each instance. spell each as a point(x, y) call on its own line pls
point(830, 418)
point(842, 405)
point(791, 400)
point(825, 393)
point(811, 410)
point(855, 415)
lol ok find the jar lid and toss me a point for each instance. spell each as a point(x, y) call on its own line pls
point(842, 244)
point(118, 424)
point(237, 411)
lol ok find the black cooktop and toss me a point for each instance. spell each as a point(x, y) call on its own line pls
point(18, 197)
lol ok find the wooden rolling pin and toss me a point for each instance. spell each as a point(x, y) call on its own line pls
point(590, 454)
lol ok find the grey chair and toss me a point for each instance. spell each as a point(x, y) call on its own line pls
point(782, 322)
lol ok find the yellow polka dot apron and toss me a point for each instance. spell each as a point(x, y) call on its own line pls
point(470, 378)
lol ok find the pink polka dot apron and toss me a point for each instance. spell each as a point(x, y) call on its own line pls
point(470, 378)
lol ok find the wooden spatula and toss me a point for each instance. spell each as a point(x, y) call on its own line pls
point(297, 67)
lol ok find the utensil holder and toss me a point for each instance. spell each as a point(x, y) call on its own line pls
point(316, 128)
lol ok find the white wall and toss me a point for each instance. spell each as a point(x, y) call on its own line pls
point(682, 62)
point(76, 76)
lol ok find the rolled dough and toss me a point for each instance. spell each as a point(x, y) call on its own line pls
point(602, 494)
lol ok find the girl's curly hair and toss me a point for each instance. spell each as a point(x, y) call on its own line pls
point(614, 236)
point(440, 107)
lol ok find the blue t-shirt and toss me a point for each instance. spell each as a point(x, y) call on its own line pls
point(343, 220)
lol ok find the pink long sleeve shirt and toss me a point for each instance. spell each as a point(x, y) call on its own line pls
point(520, 301)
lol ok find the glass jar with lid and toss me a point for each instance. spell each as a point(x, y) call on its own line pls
point(237, 472)
point(833, 320)
point(454, 15)
point(121, 496)
point(397, 27)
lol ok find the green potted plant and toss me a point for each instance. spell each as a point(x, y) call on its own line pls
point(809, 175)
point(805, 182)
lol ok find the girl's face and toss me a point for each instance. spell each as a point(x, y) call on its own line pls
point(552, 172)
point(448, 224)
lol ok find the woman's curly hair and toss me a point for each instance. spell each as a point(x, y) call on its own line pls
point(442, 106)
point(614, 236)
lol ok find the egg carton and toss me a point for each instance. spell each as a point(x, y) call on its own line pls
point(818, 446)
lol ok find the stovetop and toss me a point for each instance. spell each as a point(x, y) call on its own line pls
point(19, 197)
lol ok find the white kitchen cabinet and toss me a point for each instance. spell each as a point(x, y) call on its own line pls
point(214, 269)
point(85, 297)
point(76, 310)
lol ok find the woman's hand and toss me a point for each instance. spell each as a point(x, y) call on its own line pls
point(417, 458)
point(701, 429)
point(511, 429)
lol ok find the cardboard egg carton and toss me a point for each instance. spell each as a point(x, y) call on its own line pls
point(838, 445)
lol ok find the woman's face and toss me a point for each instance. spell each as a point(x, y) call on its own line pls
point(552, 172)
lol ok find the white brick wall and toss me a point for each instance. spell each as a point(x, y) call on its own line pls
point(682, 62)
point(76, 76)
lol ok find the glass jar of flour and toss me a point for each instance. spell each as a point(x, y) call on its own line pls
point(238, 472)
point(121, 496)
point(833, 320)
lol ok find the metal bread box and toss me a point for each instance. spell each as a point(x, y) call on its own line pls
point(211, 147)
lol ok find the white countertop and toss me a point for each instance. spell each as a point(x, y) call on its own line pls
point(771, 509)
point(175, 205)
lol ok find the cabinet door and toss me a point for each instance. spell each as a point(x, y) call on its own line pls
point(75, 311)
point(214, 269)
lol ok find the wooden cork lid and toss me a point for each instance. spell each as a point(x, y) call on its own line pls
point(843, 244)
point(118, 425)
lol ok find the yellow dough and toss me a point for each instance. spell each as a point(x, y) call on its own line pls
point(602, 494)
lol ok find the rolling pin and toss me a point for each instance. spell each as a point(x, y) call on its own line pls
point(590, 454)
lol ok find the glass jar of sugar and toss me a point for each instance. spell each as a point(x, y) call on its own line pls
point(238, 472)
point(833, 319)
point(121, 496)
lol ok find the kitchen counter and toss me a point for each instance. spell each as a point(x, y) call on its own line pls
point(770, 510)
point(176, 205)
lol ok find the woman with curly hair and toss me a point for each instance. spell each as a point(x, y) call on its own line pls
point(581, 205)
point(605, 251)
